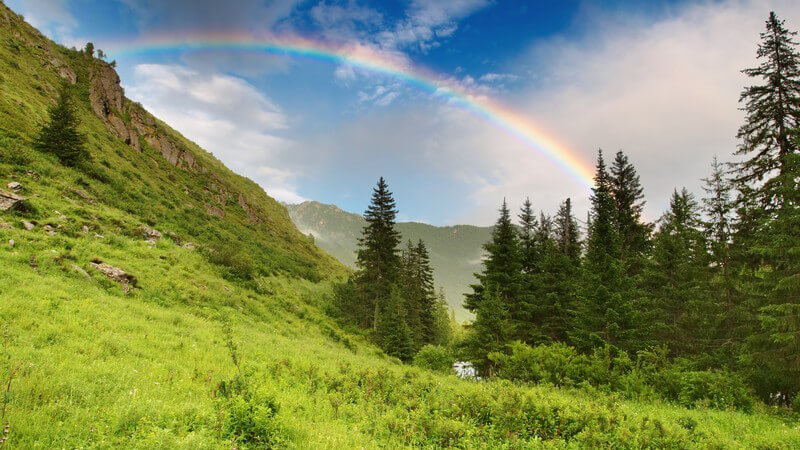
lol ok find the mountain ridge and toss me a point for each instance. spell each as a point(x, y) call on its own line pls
point(455, 250)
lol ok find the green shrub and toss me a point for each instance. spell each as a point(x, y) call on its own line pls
point(237, 262)
point(796, 403)
point(650, 376)
point(435, 358)
point(720, 390)
point(251, 419)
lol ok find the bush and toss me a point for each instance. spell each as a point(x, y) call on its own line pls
point(435, 358)
point(251, 419)
point(796, 403)
point(651, 375)
point(239, 264)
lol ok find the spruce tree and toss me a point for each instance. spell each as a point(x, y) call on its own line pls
point(568, 235)
point(378, 262)
point(677, 279)
point(629, 199)
point(528, 227)
point(605, 313)
point(489, 332)
point(391, 330)
point(60, 136)
point(427, 298)
point(412, 292)
point(772, 108)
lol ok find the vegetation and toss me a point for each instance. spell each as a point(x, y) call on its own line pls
point(716, 287)
point(219, 346)
point(60, 136)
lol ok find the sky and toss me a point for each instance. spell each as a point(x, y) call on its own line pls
point(659, 80)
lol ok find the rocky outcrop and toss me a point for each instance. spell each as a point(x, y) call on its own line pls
point(129, 121)
point(126, 281)
point(150, 235)
point(9, 201)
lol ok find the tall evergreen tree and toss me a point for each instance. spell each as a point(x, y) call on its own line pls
point(677, 279)
point(628, 195)
point(772, 108)
point(567, 232)
point(496, 298)
point(412, 292)
point(60, 136)
point(378, 262)
point(502, 266)
point(392, 332)
point(605, 311)
point(528, 227)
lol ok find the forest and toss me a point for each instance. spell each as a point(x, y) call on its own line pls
point(701, 306)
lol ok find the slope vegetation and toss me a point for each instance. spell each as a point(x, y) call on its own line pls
point(154, 299)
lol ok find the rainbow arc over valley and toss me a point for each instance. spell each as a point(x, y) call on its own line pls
point(384, 63)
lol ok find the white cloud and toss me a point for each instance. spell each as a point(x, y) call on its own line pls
point(666, 93)
point(223, 114)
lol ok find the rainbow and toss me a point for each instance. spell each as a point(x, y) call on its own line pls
point(384, 63)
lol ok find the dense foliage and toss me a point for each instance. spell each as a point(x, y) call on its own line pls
point(717, 283)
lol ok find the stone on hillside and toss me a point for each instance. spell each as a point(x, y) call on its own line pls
point(9, 201)
point(150, 235)
point(14, 186)
point(49, 230)
point(11, 243)
point(84, 229)
point(80, 271)
point(28, 226)
point(188, 246)
point(125, 280)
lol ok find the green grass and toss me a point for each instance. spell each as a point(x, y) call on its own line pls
point(98, 368)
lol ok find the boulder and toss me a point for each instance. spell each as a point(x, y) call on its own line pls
point(125, 280)
point(9, 201)
point(14, 186)
point(28, 225)
point(150, 235)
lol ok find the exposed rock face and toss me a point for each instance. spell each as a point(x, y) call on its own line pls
point(10, 201)
point(125, 280)
point(131, 123)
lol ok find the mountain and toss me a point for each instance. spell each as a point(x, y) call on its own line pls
point(151, 298)
point(455, 250)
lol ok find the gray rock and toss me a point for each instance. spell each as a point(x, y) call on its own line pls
point(150, 235)
point(84, 229)
point(125, 280)
point(14, 186)
point(9, 201)
point(188, 246)
point(11, 243)
point(28, 226)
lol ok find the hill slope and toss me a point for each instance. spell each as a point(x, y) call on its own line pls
point(212, 337)
point(455, 250)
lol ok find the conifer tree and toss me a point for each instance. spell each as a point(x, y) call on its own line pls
point(772, 108)
point(605, 312)
point(427, 299)
point(490, 332)
point(412, 293)
point(61, 136)
point(629, 199)
point(528, 228)
point(391, 330)
point(502, 266)
point(677, 279)
point(377, 261)
point(567, 232)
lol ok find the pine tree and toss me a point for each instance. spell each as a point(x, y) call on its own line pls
point(774, 347)
point(61, 136)
point(528, 228)
point(629, 199)
point(442, 328)
point(568, 235)
point(412, 292)
point(502, 266)
point(378, 262)
point(772, 108)
point(490, 332)
point(427, 299)
point(729, 318)
point(496, 298)
point(605, 311)
point(677, 279)
point(391, 330)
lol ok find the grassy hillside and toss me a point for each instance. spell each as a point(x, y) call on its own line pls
point(455, 251)
point(214, 337)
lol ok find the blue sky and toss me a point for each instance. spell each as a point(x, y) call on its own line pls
point(657, 79)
